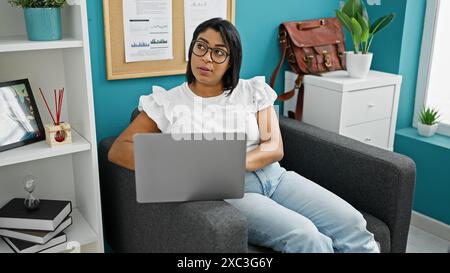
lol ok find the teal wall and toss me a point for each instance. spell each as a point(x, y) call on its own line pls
point(257, 22)
point(396, 50)
point(387, 58)
point(432, 156)
point(401, 45)
point(114, 100)
point(410, 58)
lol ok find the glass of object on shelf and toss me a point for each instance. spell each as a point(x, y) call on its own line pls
point(60, 136)
point(31, 202)
point(58, 133)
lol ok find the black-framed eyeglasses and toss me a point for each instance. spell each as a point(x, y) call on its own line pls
point(218, 55)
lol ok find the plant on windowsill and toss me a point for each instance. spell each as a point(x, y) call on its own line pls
point(428, 121)
point(42, 18)
point(354, 17)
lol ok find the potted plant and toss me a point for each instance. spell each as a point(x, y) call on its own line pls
point(354, 17)
point(42, 18)
point(428, 121)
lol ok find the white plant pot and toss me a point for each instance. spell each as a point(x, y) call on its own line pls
point(427, 130)
point(358, 65)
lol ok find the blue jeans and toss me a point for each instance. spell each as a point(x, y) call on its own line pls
point(289, 213)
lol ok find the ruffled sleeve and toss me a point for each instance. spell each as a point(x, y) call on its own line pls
point(157, 107)
point(263, 95)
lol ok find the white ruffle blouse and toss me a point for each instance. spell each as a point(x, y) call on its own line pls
point(180, 110)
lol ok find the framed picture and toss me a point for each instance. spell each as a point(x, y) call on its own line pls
point(20, 123)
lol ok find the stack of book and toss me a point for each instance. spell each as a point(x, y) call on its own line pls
point(40, 230)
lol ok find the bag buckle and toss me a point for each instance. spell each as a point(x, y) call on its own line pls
point(309, 60)
point(292, 59)
point(327, 55)
point(282, 36)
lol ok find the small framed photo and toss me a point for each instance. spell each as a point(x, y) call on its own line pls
point(20, 123)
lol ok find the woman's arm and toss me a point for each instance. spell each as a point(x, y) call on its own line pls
point(122, 152)
point(271, 148)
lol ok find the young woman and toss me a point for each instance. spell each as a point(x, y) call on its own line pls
point(285, 211)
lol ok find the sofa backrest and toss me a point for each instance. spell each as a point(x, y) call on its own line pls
point(135, 113)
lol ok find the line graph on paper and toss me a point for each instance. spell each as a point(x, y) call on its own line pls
point(159, 29)
point(139, 28)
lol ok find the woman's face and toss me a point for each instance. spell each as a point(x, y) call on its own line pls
point(210, 68)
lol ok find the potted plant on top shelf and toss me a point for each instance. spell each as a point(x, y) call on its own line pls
point(42, 18)
point(354, 17)
point(428, 121)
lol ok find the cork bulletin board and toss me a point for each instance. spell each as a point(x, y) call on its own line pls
point(118, 69)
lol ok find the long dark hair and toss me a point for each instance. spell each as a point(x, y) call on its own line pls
point(232, 40)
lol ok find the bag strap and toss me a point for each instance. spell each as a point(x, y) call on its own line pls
point(298, 115)
point(283, 45)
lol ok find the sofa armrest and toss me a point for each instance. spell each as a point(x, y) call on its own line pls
point(373, 180)
point(209, 226)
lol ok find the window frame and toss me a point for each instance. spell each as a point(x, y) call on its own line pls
point(426, 57)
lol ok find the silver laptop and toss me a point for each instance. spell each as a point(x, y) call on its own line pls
point(189, 167)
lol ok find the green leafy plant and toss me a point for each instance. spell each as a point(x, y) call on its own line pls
point(37, 3)
point(354, 17)
point(429, 116)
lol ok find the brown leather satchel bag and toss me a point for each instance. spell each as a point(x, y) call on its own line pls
point(311, 47)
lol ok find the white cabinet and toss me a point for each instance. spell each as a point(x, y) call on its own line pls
point(69, 172)
point(362, 109)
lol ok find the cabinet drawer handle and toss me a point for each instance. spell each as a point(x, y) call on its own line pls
point(371, 105)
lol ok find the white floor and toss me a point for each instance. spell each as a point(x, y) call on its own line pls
point(420, 241)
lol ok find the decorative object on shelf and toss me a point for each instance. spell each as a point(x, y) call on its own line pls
point(42, 18)
point(354, 17)
point(20, 123)
point(29, 184)
point(58, 133)
point(428, 121)
point(20, 246)
point(48, 217)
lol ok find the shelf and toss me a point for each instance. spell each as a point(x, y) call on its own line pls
point(41, 150)
point(437, 140)
point(21, 43)
point(79, 232)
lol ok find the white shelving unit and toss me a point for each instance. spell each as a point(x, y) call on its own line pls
point(68, 172)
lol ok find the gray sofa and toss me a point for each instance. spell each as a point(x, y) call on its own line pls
point(378, 183)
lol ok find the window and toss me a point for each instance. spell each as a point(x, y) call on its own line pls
point(433, 85)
